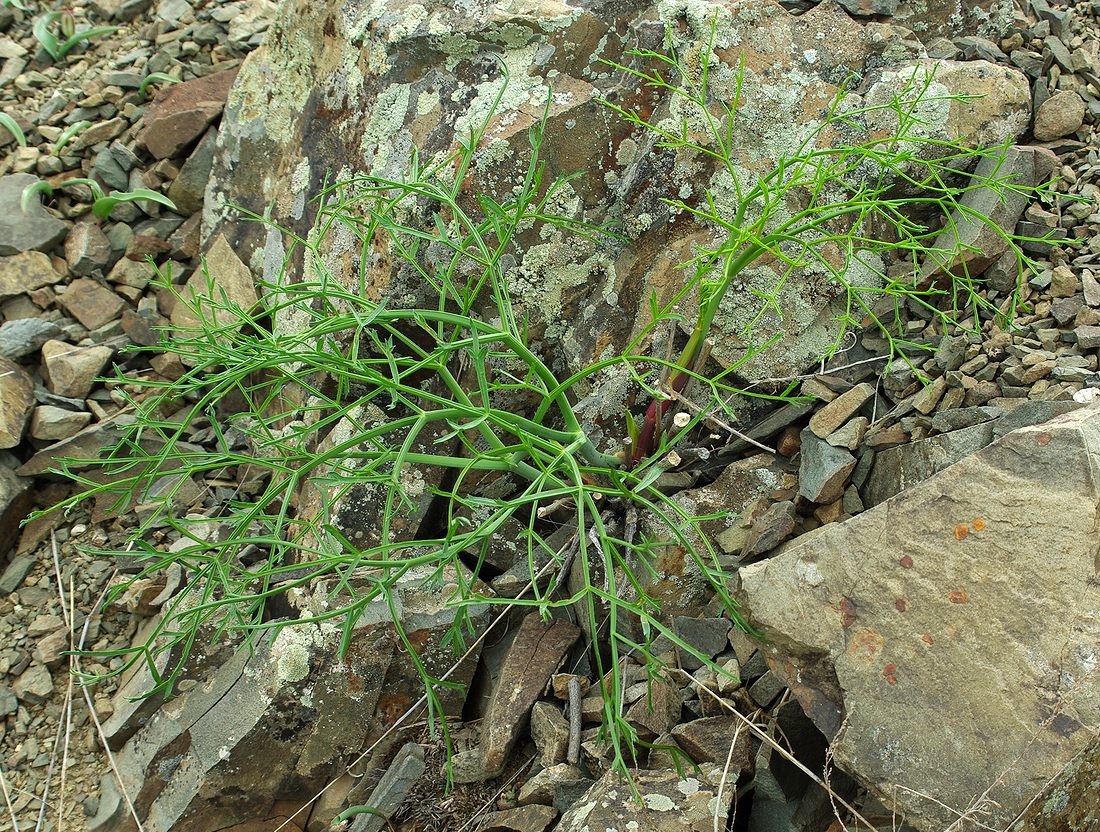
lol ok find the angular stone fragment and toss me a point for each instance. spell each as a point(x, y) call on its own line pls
point(708, 740)
point(550, 732)
point(16, 402)
point(24, 336)
point(963, 607)
point(34, 684)
point(223, 280)
point(829, 418)
point(16, 499)
point(386, 798)
point(53, 423)
point(182, 112)
point(25, 272)
point(824, 470)
point(86, 249)
point(188, 188)
point(657, 710)
point(91, 303)
point(986, 216)
point(70, 370)
point(21, 230)
point(532, 659)
point(1072, 802)
point(531, 818)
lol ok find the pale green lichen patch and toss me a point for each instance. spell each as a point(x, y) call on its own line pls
point(658, 802)
point(386, 123)
point(292, 652)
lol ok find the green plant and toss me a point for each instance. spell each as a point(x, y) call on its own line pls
point(103, 204)
point(56, 47)
point(12, 126)
point(155, 78)
point(344, 395)
point(68, 134)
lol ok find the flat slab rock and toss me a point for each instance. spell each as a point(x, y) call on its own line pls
point(953, 628)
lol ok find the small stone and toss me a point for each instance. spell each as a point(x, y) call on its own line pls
point(226, 274)
point(1063, 282)
point(769, 529)
point(182, 112)
point(1060, 115)
point(540, 788)
point(87, 249)
point(91, 303)
point(53, 423)
point(710, 636)
point(104, 131)
point(1088, 337)
point(22, 230)
point(8, 703)
point(34, 685)
point(926, 400)
point(16, 402)
point(188, 188)
point(708, 741)
point(15, 573)
point(25, 272)
point(765, 689)
point(851, 434)
point(1091, 288)
point(840, 410)
point(403, 773)
point(530, 818)
point(550, 732)
point(655, 714)
point(823, 470)
point(25, 336)
point(71, 371)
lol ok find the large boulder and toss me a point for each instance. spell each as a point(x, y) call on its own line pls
point(341, 89)
point(946, 640)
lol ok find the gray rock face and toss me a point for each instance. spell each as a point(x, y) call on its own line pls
point(953, 627)
point(19, 231)
point(421, 76)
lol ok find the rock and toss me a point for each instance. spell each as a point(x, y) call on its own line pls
point(72, 371)
point(851, 434)
point(87, 250)
point(90, 303)
point(272, 153)
point(830, 418)
point(85, 445)
point(1091, 288)
point(1064, 283)
point(1072, 802)
point(531, 818)
point(707, 635)
point(771, 528)
point(708, 740)
point(986, 216)
point(532, 659)
point(897, 469)
point(824, 470)
point(182, 112)
point(541, 787)
point(15, 572)
point(25, 272)
point(9, 704)
point(403, 773)
point(1060, 115)
point(550, 733)
point(16, 402)
point(286, 711)
point(668, 803)
point(23, 231)
point(975, 588)
point(25, 336)
point(657, 710)
point(53, 423)
point(223, 273)
point(189, 187)
point(34, 685)
point(16, 500)
point(958, 418)
point(1088, 337)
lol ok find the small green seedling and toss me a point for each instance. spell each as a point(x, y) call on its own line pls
point(103, 203)
point(59, 48)
point(13, 127)
point(70, 133)
point(155, 78)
